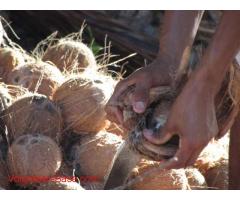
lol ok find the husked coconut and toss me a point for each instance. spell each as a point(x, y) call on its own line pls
point(37, 76)
point(91, 157)
point(196, 180)
point(33, 114)
point(5, 97)
point(33, 156)
point(9, 59)
point(156, 179)
point(82, 100)
point(70, 55)
point(59, 186)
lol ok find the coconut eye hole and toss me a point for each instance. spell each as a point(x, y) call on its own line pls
point(16, 79)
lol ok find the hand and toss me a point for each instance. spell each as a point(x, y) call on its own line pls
point(155, 74)
point(193, 119)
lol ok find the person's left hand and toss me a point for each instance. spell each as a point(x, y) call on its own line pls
point(193, 118)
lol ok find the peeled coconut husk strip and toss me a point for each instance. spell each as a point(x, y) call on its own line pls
point(217, 176)
point(59, 186)
point(157, 180)
point(70, 55)
point(33, 156)
point(5, 97)
point(33, 114)
point(4, 181)
point(93, 154)
point(196, 180)
point(37, 76)
point(82, 100)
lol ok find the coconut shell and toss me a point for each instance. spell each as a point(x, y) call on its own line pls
point(34, 156)
point(38, 77)
point(33, 114)
point(70, 55)
point(217, 176)
point(4, 181)
point(60, 186)
point(9, 59)
point(93, 154)
point(157, 180)
point(82, 101)
point(196, 180)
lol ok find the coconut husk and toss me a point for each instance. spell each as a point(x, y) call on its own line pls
point(70, 55)
point(92, 157)
point(37, 76)
point(196, 180)
point(33, 114)
point(82, 100)
point(5, 97)
point(115, 129)
point(4, 181)
point(33, 156)
point(59, 186)
point(217, 176)
point(9, 59)
point(160, 180)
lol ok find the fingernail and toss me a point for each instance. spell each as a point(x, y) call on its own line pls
point(139, 107)
point(147, 133)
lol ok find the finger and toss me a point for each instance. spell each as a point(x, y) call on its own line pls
point(194, 156)
point(157, 137)
point(140, 98)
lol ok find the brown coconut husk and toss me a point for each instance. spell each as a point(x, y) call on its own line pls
point(82, 100)
point(33, 114)
point(217, 176)
point(92, 157)
point(157, 180)
point(196, 180)
point(4, 180)
point(9, 59)
point(37, 76)
point(33, 156)
point(115, 129)
point(5, 97)
point(59, 186)
point(70, 55)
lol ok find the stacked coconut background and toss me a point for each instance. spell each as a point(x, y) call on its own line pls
point(53, 124)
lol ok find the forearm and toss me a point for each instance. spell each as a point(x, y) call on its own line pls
point(177, 36)
point(222, 50)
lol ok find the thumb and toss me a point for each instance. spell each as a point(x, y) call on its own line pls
point(140, 98)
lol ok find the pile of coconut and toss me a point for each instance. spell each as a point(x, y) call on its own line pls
point(54, 131)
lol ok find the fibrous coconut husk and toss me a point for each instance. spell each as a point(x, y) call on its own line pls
point(9, 59)
point(217, 176)
point(92, 156)
point(82, 100)
point(115, 129)
point(33, 155)
point(5, 97)
point(37, 76)
point(33, 114)
point(59, 186)
point(196, 180)
point(4, 181)
point(70, 55)
point(157, 180)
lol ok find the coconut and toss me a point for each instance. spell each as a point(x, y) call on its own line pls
point(93, 154)
point(217, 176)
point(33, 156)
point(195, 179)
point(70, 55)
point(33, 114)
point(5, 97)
point(156, 179)
point(59, 186)
point(37, 76)
point(4, 182)
point(82, 100)
point(9, 59)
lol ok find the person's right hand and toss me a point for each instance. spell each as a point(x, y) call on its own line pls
point(153, 75)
